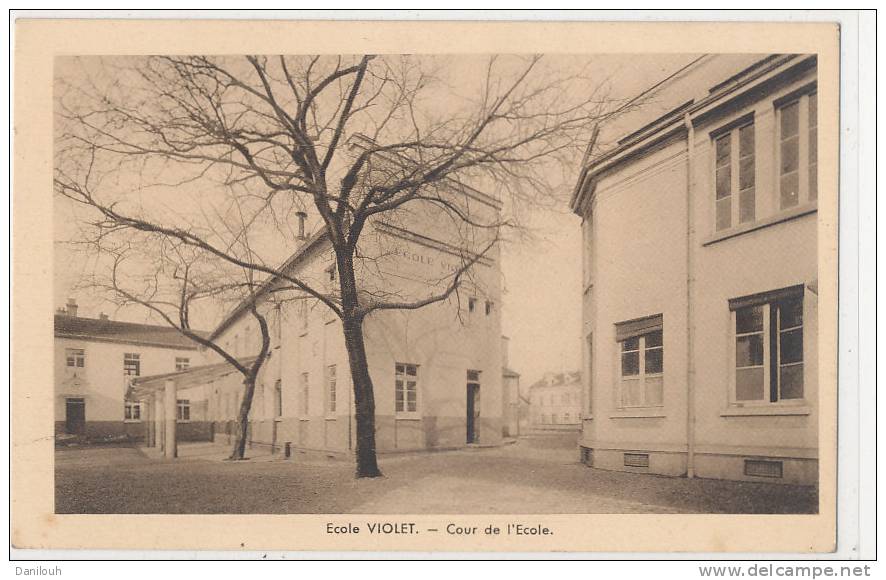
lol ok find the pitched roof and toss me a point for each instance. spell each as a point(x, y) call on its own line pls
point(101, 330)
point(191, 377)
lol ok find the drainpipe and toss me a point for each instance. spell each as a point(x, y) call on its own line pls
point(690, 355)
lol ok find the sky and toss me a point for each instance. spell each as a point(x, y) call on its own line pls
point(541, 302)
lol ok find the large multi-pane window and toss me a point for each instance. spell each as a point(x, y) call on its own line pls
point(331, 385)
point(769, 346)
point(132, 364)
point(798, 151)
point(735, 176)
point(405, 388)
point(641, 356)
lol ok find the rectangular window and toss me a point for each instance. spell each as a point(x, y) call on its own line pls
point(75, 358)
point(798, 151)
point(735, 176)
point(183, 412)
point(488, 308)
point(305, 394)
point(769, 346)
point(405, 388)
point(303, 316)
point(330, 389)
point(182, 363)
point(746, 175)
point(472, 304)
point(642, 362)
point(132, 411)
point(789, 154)
point(132, 364)
point(278, 398)
point(723, 173)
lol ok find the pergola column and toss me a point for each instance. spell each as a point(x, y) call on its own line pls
point(148, 418)
point(169, 407)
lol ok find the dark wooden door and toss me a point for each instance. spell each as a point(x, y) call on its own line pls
point(473, 412)
point(75, 416)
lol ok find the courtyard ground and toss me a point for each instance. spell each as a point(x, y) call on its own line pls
point(538, 474)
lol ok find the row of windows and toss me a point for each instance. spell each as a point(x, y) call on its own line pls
point(132, 411)
point(735, 167)
point(472, 306)
point(768, 354)
point(406, 389)
point(75, 358)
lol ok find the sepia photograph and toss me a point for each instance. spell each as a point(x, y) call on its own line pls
point(306, 264)
point(410, 292)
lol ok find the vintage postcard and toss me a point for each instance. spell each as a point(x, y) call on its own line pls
point(436, 286)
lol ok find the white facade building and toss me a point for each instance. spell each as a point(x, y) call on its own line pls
point(700, 278)
point(95, 360)
point(436, 371)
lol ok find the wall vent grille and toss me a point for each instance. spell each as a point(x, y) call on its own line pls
point(636, 459)
point(759, 468)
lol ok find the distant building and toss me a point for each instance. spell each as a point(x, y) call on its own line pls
point(95, 360)
point(700, 277)
point(555, 402)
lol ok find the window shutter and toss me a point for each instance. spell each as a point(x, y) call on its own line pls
point(637, 327)
point(766, 297)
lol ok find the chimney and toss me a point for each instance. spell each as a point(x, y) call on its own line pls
point(301, 224)
point(103, 316)
point(71, 307)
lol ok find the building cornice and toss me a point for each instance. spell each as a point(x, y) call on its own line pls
point(722, 97)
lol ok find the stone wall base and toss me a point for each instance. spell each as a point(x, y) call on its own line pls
point(770, 469)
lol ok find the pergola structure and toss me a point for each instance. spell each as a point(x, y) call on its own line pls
point(159, 395)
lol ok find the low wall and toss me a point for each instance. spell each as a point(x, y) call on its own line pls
point(105, 431)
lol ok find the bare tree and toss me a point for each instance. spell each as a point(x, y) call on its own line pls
point(170, 280)
point(348, 138)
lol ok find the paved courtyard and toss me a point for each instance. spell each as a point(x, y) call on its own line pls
point(534, 475)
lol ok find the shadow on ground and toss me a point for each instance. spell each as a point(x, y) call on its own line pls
point(539, 474)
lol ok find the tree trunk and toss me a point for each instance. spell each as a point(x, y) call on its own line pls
point(364, 399)
point(239, 450)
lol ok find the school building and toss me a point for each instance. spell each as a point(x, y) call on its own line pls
point(437, 371)
point(700, 277)
point(95, 362)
